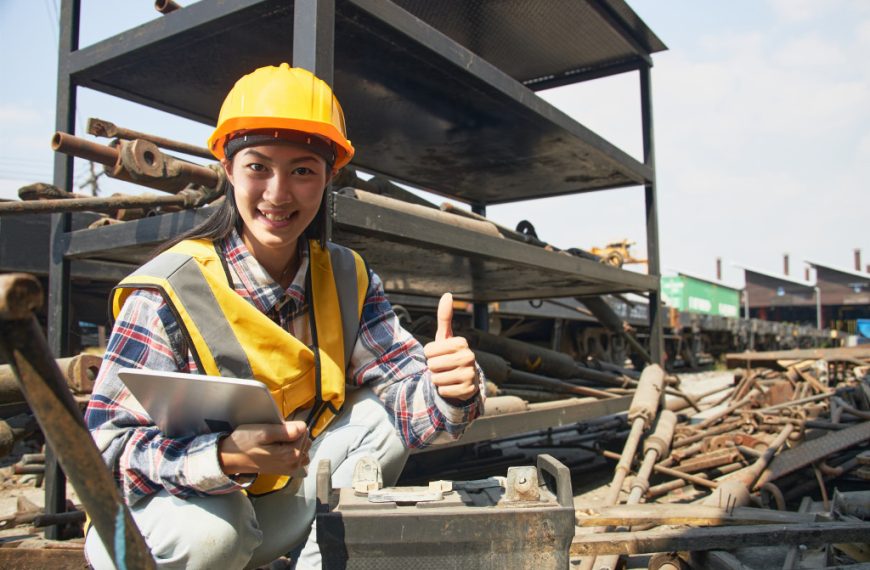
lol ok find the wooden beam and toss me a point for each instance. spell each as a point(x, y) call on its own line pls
point(717, 538)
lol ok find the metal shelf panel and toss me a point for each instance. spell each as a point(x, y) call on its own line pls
point(132, 242)
point(420, 107)
point(418, 256)
point(536, 41)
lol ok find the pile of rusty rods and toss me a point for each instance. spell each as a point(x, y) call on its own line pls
point(740, 442)
point(139, 161)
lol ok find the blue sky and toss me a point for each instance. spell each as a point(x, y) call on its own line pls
point(761, 113)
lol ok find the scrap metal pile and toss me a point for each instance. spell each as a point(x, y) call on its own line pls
point(774, 439)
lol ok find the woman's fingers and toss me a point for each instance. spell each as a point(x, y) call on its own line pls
point(452, 365)
point(265, 448)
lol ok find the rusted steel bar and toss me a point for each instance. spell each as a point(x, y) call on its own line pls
point(79, 372)
point(710, 460)
point(656, 445)
point(50, 519)
point(641, 414)
point(184, 199)
point(693, 479)
point(140, 162)
point(734, 489)
point(13, 430)
point(677, 514)
point(724, 427)
point(807, 400)
point(166, 6)
point(43, 191)
point(24, 347)
point(679, 482)
point(519, 376)
point(715, 538)
point(83, 148)
point(102, 128)
point(726, 412)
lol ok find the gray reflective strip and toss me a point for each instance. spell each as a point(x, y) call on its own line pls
point(193, 291)
point(344, 271)
point(204, 310)
point(162, 265)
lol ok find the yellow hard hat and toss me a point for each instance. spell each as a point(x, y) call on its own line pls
point(282, 98)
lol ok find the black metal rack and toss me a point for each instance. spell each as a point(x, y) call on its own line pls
point(439, 94)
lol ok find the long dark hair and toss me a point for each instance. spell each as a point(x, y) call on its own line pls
point(221, 223)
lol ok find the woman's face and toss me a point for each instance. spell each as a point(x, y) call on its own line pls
point(278, 189)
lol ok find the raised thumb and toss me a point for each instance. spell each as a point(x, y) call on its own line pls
point(445, 317)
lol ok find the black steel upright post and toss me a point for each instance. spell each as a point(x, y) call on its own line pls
point(656, 341)
point(59, 266)
point(480, 310)
point(314, 37)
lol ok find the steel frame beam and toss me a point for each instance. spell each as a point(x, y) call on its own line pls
point(656, 316)
point(59, 268)
point(314, 37)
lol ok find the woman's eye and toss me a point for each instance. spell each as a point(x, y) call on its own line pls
point(303, 170)
point(256, 167)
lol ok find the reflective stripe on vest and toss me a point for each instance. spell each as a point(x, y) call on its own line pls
point(228, 336)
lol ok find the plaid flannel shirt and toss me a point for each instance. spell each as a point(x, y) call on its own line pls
point(386, 358)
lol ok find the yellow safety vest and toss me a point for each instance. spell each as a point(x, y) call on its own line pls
point(228, 336)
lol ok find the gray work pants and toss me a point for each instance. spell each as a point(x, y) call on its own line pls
point(237, 531)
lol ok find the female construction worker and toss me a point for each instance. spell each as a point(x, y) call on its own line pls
point(257, 292)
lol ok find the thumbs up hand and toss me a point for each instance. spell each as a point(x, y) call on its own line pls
point(450, 360)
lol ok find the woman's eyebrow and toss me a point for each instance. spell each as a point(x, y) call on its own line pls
point(263, 157)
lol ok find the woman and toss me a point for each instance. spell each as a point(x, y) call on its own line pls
point(257, 292)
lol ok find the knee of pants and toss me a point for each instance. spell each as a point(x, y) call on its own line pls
point(219, 531)
point(363, 428)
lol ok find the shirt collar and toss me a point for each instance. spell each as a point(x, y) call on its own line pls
point(252, 281)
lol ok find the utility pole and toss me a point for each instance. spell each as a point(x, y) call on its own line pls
point(92, 180)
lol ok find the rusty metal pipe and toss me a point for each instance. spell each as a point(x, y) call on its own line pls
point(727, 411)
point(655, 446)
point(641, 414)
point(83, 148)
point(190, 199)
point(679, 481)
point(13, 430)
point(166, 6)
point(734, 489)
point(520, 377)
point(724, 427)
point(139, 162)
point(79, 372)
point(107, 129)
point(806, 400)
point(24, 347)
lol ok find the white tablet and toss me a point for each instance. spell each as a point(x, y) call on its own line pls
point(190, 404)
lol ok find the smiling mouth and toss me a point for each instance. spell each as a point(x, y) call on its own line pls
point(272, 217)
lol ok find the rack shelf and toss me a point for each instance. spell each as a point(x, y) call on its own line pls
point(420, 107)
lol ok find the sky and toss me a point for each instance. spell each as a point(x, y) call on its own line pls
point(761, 115)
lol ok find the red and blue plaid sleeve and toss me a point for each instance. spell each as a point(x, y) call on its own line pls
point(391, 361)
point(144, 461)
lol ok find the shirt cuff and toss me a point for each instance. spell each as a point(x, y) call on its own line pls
point(459, 412)
point(203, 469)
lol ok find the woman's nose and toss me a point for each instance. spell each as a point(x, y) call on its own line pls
point(278, 190)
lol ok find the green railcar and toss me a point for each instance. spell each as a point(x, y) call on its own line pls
point(698, 296)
